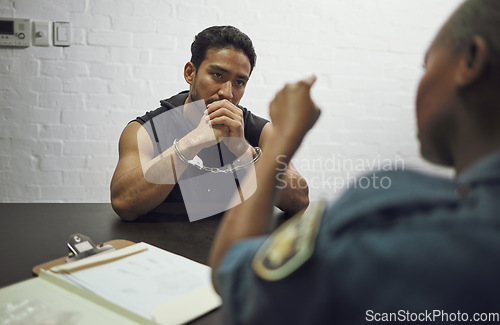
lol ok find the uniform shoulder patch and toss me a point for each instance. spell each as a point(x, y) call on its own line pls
point(289, 246)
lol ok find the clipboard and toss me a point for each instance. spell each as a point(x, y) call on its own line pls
point(137, 283)
point(116, 243)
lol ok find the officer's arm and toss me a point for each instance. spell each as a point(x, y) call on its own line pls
point(293, 113)
point(293, 191)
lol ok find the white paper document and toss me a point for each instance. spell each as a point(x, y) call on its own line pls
point(152, 284)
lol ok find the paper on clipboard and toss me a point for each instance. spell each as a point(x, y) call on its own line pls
point(155, 284)
point(96, 260)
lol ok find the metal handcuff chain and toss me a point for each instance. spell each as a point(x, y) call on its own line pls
point(230, 169)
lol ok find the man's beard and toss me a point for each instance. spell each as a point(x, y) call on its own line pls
point(193, 94)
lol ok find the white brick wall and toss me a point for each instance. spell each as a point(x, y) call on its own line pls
point(63, 109)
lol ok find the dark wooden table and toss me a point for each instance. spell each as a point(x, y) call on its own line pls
point(34, 233)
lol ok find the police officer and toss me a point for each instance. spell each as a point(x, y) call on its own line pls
point(425, 249)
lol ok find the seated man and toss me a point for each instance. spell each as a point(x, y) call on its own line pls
point(424, 250)
point(185, 153)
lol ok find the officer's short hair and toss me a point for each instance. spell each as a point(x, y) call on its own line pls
point(221, 37)
point(478, 18)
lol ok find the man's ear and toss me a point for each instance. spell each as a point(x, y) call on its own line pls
point(473, 62)
point(189, 72)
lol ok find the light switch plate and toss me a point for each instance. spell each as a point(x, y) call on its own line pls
point(41, 33)
point(62, 33)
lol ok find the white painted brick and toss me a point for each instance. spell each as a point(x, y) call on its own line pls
point(8, 130)
point(24, 7)
point(154, 41)
point(151, 9)
point(415, 41)
point(360, 70)
point(57, 9)
point(52, 53)
point(139, 106)
point(47, 84)
point(6, 185)
point(110, 7)
point(78, 36)
point(111, 150)
point(195, 12)
point(129, 87)
point(98, 162)
point(153, 72)
point(56, 131)
point(87, 54)
point(26, 131)
point(110, 71)
point(402, 73)
point(62, 193)
point(107, 101)
point(280, 78)
point(6, 8)
point(122, 118)
point(85, 86)
point(63, 101)
point(130, 56)
point(176, 26)
point(63, 68)
point(77, 6)
point(19, 194)
point(100, 194)
point(103, 132)
point(94, 178)
point(81, 20)
point(71, 177)
point(81, 118)
point(25, 163)
point(84, 147)
point(100, 22)
point(5, 66)
point(36, 115)
point(23, 65)
point(61, 163)
point(174, 59)
point(20, 148)
point(106, 38)
point(161, 90)
point(134, 24)
point(43, 178)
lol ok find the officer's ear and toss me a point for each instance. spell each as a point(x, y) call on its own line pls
point(189, 72)
point(473, 62)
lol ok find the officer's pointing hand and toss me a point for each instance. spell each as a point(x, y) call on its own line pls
point(292, 110)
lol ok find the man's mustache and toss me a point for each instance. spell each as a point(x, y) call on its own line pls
point(211, 100)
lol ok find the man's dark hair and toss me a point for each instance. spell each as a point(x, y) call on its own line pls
point(221, 37)
point(478, 18)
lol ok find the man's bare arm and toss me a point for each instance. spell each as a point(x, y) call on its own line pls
point(132, 195)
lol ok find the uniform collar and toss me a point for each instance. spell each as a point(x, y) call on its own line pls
point(486, 170)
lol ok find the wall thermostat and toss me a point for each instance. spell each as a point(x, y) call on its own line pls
point(15, 32)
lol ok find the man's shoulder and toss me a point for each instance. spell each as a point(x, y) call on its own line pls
point(175, 101)
point(165, 105)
